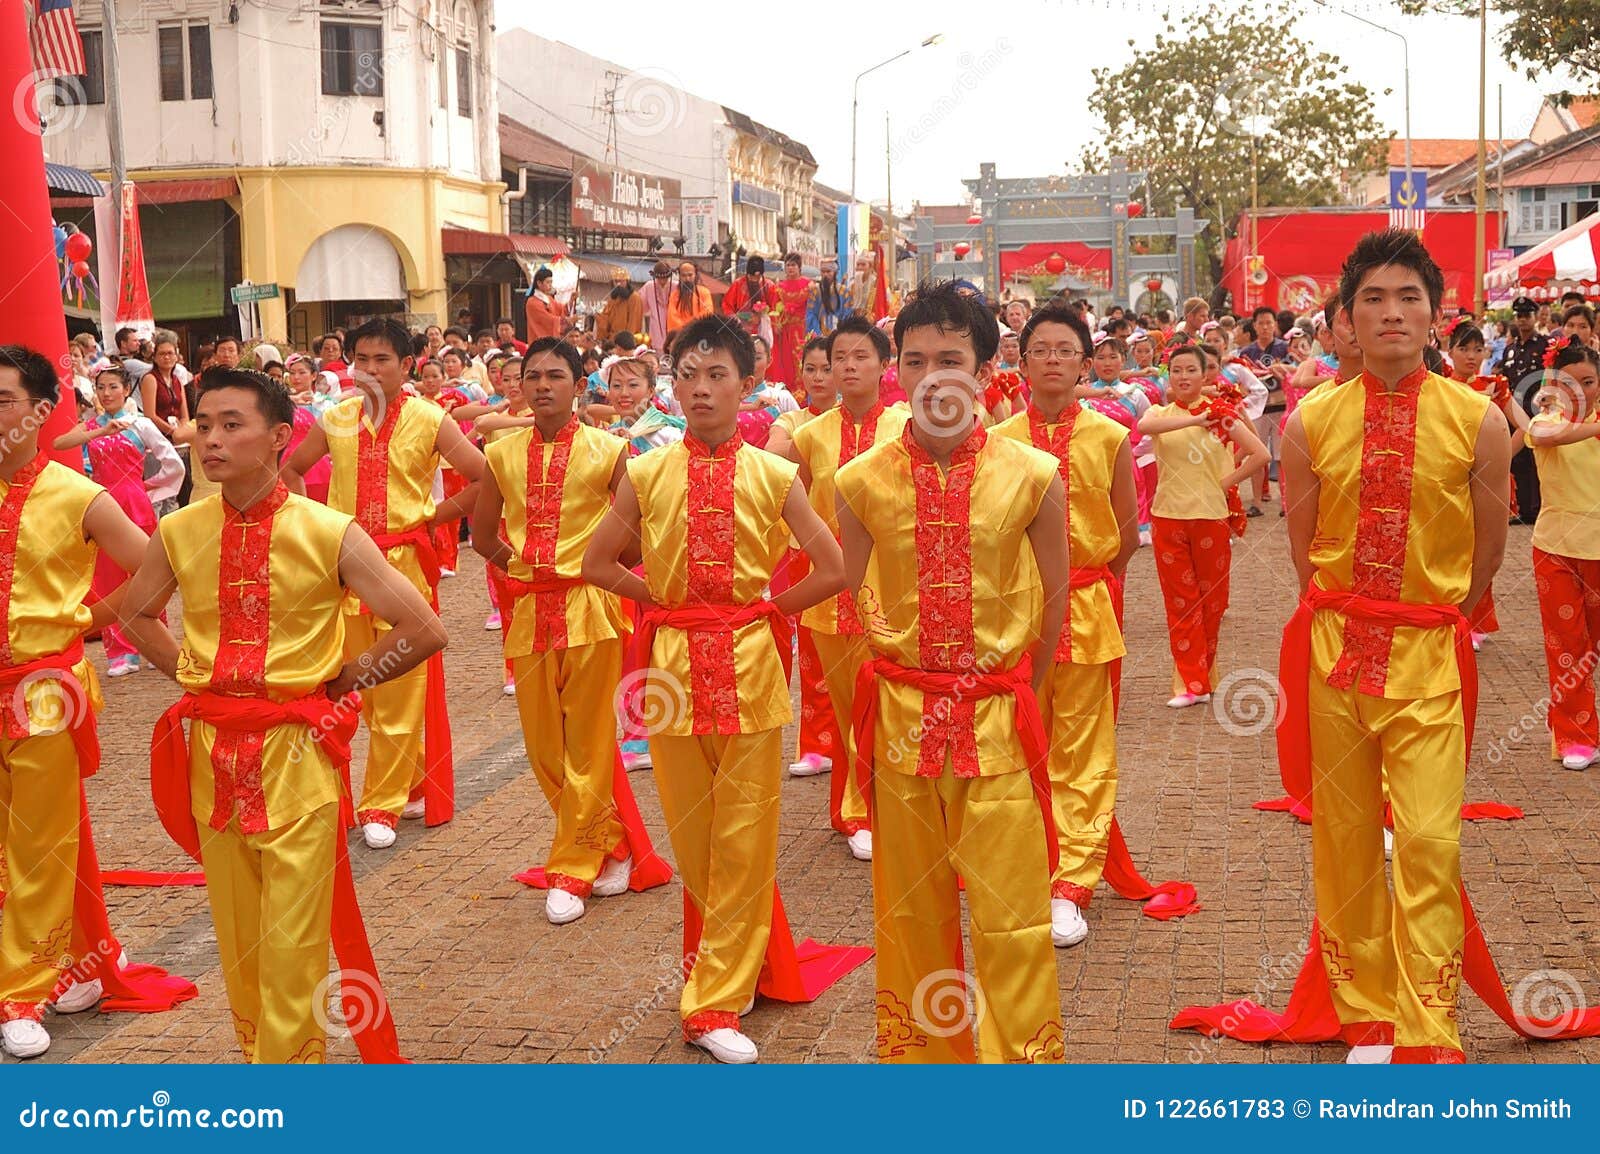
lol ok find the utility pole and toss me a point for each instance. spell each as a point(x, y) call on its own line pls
point(119, 163)
point(1479, 256)
point(608, 106)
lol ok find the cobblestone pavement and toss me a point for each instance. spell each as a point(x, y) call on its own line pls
point(476, 973)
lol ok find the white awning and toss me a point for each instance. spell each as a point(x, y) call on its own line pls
point(350, 263)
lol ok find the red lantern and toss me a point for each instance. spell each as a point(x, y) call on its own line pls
point(975, 218)
point(1135, 209)
point(962, 249)
point(79, 246)
point(1153, 284)
point(1055, 264)
point(80, 268)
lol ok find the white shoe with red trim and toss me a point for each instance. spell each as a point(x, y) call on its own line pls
point(24, 1038)
point(728, 1046)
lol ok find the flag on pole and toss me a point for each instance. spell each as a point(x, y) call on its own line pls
point(53, 36)
point(1408, 198)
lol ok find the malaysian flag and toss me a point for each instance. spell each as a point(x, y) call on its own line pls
point(1408, 199)
point(53, 36)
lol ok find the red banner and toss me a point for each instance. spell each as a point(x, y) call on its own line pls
point(133, 293)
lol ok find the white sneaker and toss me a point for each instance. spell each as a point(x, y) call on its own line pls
point(25, 1038)
point(613, 879)
point(561, 907)
point(1369, 1056)
point(377, 835)
point(1577, 757)
point(632, 762)
point(748, 1006)
point(728, 1046)
point(1388, 842)
point(415, 809)
point(447, 572)
point(80, 996)
point(511, 689)
point(1067, 927)
point(1184, 700)
point(1144, 538)
point(492, 622)
point(861, 845)
point(811, 765)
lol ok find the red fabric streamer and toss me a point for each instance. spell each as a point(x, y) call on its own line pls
point(790, 972)
point(714, 619)
point(1015, 682)
point(333, 726)
point(147, 878)
point(1471, 811)
point(1310, 1015)
point(438, 755)
point(650, 869)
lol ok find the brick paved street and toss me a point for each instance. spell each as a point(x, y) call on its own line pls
point(476, 973)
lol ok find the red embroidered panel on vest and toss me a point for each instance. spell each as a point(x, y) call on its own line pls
point(852, 443)
point(1057, 441)
point(542, 532)
point(944, 600)
point(244, 603)
point(713, 688)
point(372, 469)
point(10, 522)
point(1383, 521)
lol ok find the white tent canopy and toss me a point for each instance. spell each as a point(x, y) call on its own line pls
point(350, 263)
point(1570, 255)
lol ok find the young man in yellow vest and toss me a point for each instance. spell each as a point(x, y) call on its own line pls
point(959, 537)
point(255, 792)
point(552, 483)
point(712, 518)
point(858, 352)
point(55, 946)
point(1076, 700)
point(1397, 483)
point(386, 446)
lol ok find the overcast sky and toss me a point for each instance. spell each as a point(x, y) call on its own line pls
point(967, 99)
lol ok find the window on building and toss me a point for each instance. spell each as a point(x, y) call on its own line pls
point(91, 86)
point(183, 60)
point(463, 81)
point(1582, 209)
point(352, 59)
point(441, 53)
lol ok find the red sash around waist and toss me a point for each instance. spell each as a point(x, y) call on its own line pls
point(518, 588)
point(1015, 682)
point(1090, 575)
point(78, 717)
point(713, 619)
point(332, 726)
point(420, 539)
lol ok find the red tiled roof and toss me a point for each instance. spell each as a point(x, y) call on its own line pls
point(1585, 110)
point(1578, 165)
point(1433, 152)
point(520, 144)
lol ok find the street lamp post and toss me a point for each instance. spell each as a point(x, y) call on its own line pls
point(1405, 56)
point(855, 100)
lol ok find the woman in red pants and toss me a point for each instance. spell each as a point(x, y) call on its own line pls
point(1195, 437)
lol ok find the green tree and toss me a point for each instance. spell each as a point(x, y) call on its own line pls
point(1187, 108)
point(1538, 35)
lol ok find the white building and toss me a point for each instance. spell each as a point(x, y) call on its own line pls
point(321, 145)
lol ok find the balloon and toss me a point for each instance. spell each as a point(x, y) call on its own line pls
point(60, 235)
point(80, 269)
point(1135, 208)
point(79, 247)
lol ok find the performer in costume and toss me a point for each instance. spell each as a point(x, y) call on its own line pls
point(1566, 545)
point(1193, 438)
point(1397, 522)
point(56, 945)
point(789, 330)
point(136, 463)
point(751, 299)
point(552, 483)
point(431, 387)
point(827, 302)
point(857, 354)
point(958, 538)
point(386, 447)
point(1075, 700)
point(712, 518)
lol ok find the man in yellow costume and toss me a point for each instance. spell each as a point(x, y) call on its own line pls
point(386, 446)
point(711, 518)
point(1076, 699)
point(256, 794)
point(963, 538)
point(56, 947)
point(858, 352)
point(552, 483)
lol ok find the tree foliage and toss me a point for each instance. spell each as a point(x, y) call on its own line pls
point(1539, 35)
point(1188, 107)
